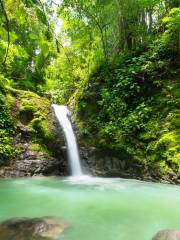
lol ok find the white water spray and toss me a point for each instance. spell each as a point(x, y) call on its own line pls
point(72, 149)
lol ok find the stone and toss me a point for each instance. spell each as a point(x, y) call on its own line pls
point(31, 229)
point(167, 234)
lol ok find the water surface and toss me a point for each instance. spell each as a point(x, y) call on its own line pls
point(94, 208)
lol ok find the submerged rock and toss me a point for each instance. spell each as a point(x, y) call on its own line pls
point(31, 229)
point(168, 234)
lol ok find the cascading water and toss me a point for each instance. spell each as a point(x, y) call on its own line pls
point(72, 149)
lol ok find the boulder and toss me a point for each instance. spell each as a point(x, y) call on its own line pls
point(168, 234)
point(31, 229)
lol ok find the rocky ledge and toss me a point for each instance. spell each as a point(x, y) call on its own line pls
point(108, 163)
point(33, 163)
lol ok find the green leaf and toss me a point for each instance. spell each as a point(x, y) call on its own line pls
point(41, 16)
point(45, 49)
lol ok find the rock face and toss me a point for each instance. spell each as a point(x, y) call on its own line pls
point(33, 164)
point(38, 139)
point(168, 234)
point(31, 229)
point(108, 163)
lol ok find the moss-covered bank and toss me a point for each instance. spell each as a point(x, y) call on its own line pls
point(7, 131)
point(33, 113)
point(29, 132)
point(132, 106)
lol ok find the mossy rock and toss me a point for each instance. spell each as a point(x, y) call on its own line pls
point(34, 120)
point(29, 108)
point(32, 229)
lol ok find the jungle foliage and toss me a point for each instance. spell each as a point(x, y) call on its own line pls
point(115, 62)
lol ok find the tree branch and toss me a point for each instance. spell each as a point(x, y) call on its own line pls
point(52, 31)
point(98, 25)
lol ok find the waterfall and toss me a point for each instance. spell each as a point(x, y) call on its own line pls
point(72, 149)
